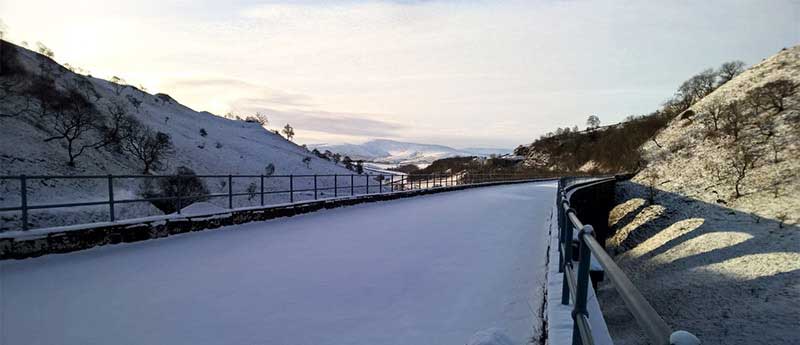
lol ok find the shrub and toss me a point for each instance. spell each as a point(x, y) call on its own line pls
point(251, 191)
point(184, 183)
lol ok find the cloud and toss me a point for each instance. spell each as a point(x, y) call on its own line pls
point(244, 91)
point(329, 122)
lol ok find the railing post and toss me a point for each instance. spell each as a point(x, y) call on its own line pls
point(562, 234)
point(230, 191)
point(315, 186)
point(367, 184)
point(335, 185)
point(23, 196)
point(391, 183)
point(582, 290)
point(291, 188)
point(262, 190)
point(110, 197)
point(352, 185)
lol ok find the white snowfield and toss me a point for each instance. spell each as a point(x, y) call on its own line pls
point(427, 270)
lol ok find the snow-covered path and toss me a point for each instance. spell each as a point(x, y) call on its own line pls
point(426, 270)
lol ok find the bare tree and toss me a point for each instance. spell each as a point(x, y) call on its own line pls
point(735, 119)
point(768, 129)
point(593, 121)
point(44, 50)
point(148, 146)
point(713, 109)
point(119, 127)
point(48, 69)
point(729, 70)
point(288, 131)
point(776, 92)
point(72, 119)
point(697, 87)
point(259, 118)
point(743, 160)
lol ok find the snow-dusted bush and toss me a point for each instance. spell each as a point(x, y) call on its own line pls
point(184, 183)
point(251, 190)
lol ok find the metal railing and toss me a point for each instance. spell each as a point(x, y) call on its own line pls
point(300, 188)
point(576, 286)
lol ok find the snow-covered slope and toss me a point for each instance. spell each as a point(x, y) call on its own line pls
point(397, 152)
point(206, 143)
point(686, 160)
point(726, 268)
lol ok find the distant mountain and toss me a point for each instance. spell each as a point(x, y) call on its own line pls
point(398, 152)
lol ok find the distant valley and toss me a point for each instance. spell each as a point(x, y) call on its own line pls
point(398, 152)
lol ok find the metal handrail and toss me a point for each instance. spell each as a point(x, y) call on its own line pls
point(359, 184)
point(575, 286)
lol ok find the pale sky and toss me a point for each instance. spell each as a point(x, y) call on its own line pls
point(459, 73)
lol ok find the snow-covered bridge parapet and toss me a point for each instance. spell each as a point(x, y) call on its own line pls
point(33, 243)
point(573, 310)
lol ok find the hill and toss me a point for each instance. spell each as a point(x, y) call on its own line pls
point(736, 146)
point(708, 228)
point(48, 111)
point(397, 152)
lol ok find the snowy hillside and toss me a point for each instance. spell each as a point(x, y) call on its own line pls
point(690, 159)
point(206, 143)
point(709, 229)
point(397, 152)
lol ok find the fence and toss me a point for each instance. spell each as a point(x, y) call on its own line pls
point(299, 187)
point(576, 285)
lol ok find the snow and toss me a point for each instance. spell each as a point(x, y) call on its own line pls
point(434, 269)
point(491, 336)
point(559, 316)
point(200, 208)
point(397, 152)
point(724, 275)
